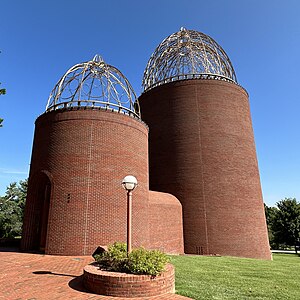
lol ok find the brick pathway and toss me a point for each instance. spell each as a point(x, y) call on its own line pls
point(26, 276)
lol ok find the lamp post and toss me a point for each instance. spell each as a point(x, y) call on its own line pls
point(129, 183)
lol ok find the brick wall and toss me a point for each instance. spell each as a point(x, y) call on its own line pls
point(165, 223)
point(128, 285)
point(85, 154)
point(201, 149)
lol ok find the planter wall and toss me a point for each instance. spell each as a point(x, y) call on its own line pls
point(128, 285)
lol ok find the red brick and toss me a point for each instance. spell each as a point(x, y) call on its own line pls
point(85, 154)
point(201, 150)
point(165, 223)
point(113, 283)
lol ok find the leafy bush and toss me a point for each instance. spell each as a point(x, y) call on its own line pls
point(139, 261)
point(150, 262)
point(114, 259)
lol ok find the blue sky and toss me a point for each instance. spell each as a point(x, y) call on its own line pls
point(40, 40)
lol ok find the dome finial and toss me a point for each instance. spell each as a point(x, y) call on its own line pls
point(98, 58)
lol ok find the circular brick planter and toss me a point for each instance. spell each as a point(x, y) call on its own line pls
point(128, 285)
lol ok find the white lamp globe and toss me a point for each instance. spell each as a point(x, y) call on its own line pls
point(129, 182)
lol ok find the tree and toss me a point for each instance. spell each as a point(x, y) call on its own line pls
point(270, 213)
point(10, 218)
point(2, 91)
point(285, 224)
point(12, 208)
point(17, 192)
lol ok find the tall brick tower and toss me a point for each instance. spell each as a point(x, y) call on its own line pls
point(87, 141)
point(201, 146)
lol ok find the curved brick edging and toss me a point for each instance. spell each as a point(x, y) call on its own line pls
point(128, 285)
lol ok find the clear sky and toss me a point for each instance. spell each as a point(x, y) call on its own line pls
point(40, 40)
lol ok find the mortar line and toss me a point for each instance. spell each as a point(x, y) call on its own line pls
point(88, 189)
point(201, 168)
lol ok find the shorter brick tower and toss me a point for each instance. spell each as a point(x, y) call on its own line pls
point(90, 137)
point(84, 144)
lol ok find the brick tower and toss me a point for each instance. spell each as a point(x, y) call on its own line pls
point(87, 141)
point(201, 146)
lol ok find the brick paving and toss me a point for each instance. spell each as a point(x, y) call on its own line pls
point(25, 276)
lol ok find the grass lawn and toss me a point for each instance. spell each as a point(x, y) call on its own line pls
point(202, 277)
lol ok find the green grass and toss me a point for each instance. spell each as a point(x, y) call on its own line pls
point(200, 277)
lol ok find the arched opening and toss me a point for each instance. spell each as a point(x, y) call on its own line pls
point(42, 195)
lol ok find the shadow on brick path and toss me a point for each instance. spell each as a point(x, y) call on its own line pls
point(26, 276)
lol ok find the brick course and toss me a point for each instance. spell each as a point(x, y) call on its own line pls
point(201, 149)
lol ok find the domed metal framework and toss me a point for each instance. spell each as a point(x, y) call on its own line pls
point(94, 84)
point(187, 54)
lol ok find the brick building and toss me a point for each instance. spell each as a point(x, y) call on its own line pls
point(201, 193)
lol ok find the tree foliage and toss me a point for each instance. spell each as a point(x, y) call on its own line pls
point(270, 217)
point(284, 223)
point(12, 208)
point(2, 92)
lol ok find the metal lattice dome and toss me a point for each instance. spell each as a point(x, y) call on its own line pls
point(94, 84)
point(187, 54)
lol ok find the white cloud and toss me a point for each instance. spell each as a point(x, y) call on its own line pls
point(13, 171)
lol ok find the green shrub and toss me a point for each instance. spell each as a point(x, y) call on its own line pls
point(150, 262)
point(114, 259)
point(139, 261)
